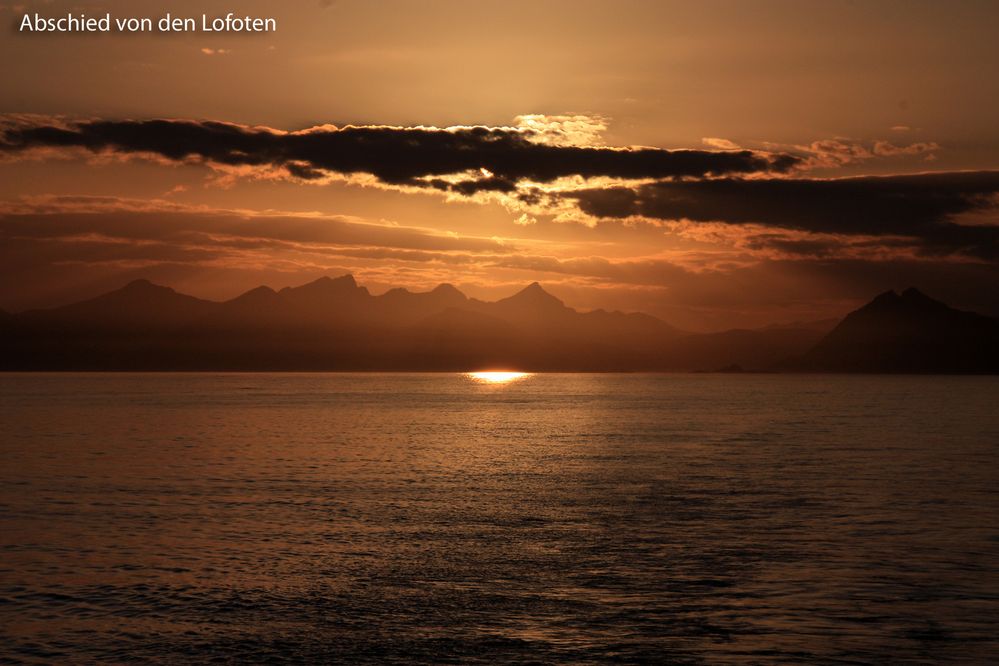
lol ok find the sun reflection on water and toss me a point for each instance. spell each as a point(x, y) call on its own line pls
point(497, 377)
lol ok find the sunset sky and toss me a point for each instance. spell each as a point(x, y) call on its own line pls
point(716, 164)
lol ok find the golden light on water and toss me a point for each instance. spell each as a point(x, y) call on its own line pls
point(493, 377)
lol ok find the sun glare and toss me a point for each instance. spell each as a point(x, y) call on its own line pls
point(493, 377)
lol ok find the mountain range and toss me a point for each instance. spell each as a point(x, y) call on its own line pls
point(336, 324)
point(908, 333)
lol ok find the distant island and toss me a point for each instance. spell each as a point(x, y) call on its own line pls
point(335, 324)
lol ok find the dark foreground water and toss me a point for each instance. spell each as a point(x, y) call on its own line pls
point(558, 518)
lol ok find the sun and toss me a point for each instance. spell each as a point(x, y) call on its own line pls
point(497, 377)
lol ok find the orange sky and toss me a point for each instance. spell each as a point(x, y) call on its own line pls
point(839, 89)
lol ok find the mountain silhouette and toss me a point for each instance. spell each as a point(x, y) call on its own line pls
point(138, 304)
point(327, 324)
point(908, 333)
point(336, 324)
point(402, 306)
point(531, 300)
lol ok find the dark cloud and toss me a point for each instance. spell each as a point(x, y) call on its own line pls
point(919, 206)
point(470, 187)
point(826, 246)
point(396, 155)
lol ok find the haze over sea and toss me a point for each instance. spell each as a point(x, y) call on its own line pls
point(557, 518)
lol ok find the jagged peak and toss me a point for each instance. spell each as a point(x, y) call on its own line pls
point(137, 293)
point(913, 294)
point(533, 290)
point(263, 291)
point(908, 299)
point(346, 279)
point(533, 296)
point(447, 288)
point(143, 286)
point(889, 296)
point(326, 282)
point(142, 283)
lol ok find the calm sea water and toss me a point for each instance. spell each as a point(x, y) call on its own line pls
point(558, 518)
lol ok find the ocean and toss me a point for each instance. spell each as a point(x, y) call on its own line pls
point(552, 518)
